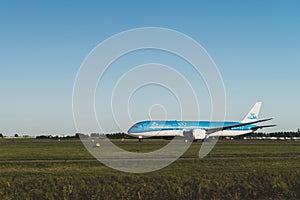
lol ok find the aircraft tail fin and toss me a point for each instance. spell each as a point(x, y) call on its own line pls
point(253, 114)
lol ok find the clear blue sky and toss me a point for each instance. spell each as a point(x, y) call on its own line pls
point(255, 44)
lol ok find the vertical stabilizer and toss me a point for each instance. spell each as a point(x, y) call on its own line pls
point(253, 114)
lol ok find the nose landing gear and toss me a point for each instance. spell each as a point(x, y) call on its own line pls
point(140, 138)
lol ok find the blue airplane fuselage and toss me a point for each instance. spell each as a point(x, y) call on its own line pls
point(148, 126)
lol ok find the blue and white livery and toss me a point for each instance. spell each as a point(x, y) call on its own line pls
point(199, 130)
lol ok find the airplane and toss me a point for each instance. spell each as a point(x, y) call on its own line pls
point(199, 130)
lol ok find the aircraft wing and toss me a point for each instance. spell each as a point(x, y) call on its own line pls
point(221, 128)
point(259, 127)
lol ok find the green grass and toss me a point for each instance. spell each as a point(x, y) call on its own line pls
point(73, 149)
point(43, 151)
point(204, 179)
point(233, 170)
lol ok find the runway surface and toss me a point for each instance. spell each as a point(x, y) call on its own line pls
point(163, 158)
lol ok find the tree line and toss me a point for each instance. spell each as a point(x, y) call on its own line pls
point(276, 134)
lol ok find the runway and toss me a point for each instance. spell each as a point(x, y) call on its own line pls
point(163, 158)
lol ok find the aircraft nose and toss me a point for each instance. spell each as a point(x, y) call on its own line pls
point(131, 129)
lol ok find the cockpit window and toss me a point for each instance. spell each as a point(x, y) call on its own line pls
point(138, 125)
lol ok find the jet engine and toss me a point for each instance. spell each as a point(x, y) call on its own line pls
point(199, 134)
point(196, 134)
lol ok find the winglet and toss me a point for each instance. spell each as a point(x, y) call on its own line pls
point(253, 114)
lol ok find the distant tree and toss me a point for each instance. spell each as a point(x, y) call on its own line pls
point(16, 135)
point(1, 135)
point(115, 135)
point(81, 135)
point(42, 137)
point(95, 134)
point(298, 130)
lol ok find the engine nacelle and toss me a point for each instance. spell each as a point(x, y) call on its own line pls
point(199, 134)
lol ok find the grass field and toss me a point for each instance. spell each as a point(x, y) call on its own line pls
point(48, 169)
